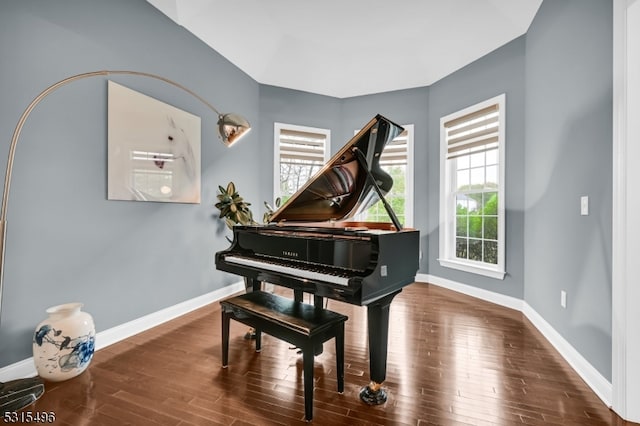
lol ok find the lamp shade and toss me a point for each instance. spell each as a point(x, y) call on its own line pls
point(232, 127)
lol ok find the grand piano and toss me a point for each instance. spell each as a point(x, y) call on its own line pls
point(312, 245)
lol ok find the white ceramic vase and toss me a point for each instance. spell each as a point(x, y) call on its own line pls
point(63, 344)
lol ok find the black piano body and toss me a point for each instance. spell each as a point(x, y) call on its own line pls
point(347, 263)
point(311, 247)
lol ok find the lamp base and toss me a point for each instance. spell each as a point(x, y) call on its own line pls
point(17, 394)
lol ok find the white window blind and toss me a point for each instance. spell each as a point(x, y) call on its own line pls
point(473, 133)
point(395, 152)
point(299, 146)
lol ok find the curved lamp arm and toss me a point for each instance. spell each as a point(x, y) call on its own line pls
point(231, 127)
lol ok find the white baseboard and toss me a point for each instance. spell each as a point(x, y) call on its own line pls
point(592, 377)
point(479, 293)
point(26, 368)
point(20, 369)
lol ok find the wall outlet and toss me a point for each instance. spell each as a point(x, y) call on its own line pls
point(563, 298)
point(584, 205)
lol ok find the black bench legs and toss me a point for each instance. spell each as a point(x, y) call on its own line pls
point(297, 323)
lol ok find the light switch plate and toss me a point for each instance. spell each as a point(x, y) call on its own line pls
point(584, 205)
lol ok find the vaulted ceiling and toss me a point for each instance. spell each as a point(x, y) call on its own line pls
point(345, 48)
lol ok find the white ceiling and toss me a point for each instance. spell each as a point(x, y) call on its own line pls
point(345, 48)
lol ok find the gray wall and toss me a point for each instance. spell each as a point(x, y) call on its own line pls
point(501, 71)
point(66, 242)
point(568, 155)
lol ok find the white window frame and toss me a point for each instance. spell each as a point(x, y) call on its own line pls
point(447, 231)
point(277, 128)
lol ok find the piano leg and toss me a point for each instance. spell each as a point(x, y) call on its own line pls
point(251, 284)
point(378, 324)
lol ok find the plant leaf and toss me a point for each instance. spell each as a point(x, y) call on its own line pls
point(231, 188)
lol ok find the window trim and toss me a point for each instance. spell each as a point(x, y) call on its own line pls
point(277, 127)
point(447, 205)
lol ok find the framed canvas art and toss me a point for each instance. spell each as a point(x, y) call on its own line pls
point(153, 149)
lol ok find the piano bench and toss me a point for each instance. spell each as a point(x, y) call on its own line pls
point(297, 323)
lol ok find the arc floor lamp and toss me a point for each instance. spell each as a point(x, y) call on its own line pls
point(17, 394)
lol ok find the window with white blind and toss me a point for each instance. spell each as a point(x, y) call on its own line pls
point(397, 160)
point(472, 153)
point(299, 152)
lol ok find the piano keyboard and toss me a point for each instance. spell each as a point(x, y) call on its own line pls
point(275, 266)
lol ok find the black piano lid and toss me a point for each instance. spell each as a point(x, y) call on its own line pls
point(340, 190)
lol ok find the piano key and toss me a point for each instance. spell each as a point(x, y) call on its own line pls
point(311, 274)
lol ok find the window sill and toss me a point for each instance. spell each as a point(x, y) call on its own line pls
point(473, 268)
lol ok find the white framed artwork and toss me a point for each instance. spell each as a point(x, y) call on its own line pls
point(153, 149)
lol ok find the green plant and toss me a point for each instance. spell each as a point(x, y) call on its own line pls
point(233, 209)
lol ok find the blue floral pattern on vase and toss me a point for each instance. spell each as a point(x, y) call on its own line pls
point(82, 347)
point(64, 343)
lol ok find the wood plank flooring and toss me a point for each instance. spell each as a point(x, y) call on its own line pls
point(452, 360)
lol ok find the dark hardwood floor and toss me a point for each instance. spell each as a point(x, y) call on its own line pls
point(452, 360)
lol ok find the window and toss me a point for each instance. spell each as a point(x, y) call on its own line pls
point(397, 160)
point(299, 153)
point(472, 188)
